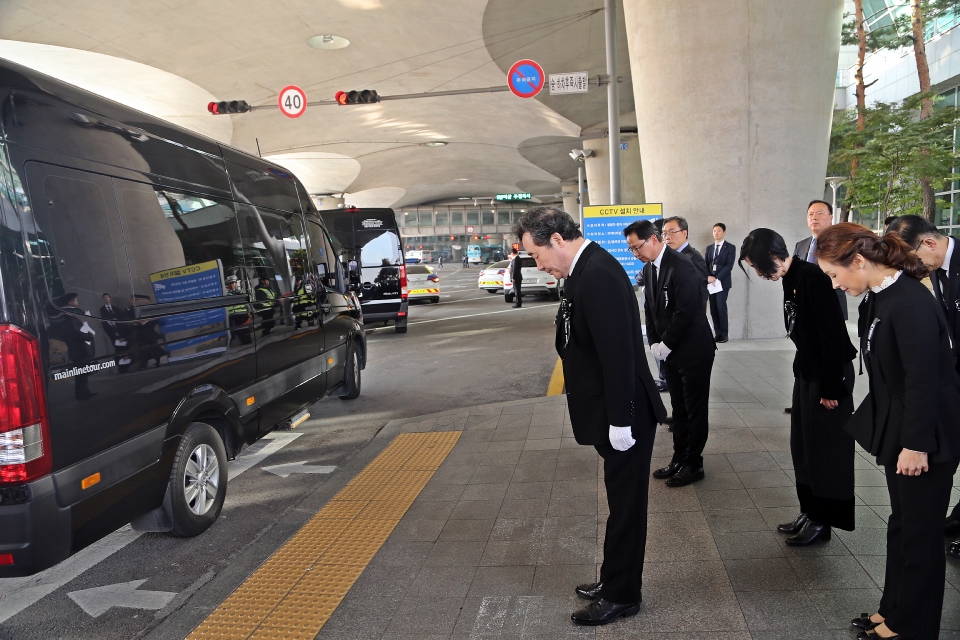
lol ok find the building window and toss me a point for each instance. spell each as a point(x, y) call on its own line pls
point(503, 216)
point(488, 217)
point(426, 218)
point(441, 218)
point(409, 218)
point(456, 218)
point(473, 217)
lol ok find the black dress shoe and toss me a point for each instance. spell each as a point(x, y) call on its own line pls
point(668, 471)
point(685, 476)
point(787, 410)
point(590, 591)
point(602, 612)
point(954, 548)
point(810, 533)
point(864, 622)
point(872, 635)
point(721, 340)
point(951, 527)
point(795, 526)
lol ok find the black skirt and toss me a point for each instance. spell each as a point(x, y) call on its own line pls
point(823, 454)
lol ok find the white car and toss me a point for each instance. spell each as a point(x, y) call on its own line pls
point(534, 281)
point(491, 278)
point(422, 283)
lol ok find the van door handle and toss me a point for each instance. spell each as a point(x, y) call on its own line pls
point(326, 306)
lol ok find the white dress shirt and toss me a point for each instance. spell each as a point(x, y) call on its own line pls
point(577, 257)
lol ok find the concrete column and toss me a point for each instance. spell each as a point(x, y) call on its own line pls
point(598, 171)
point(570, 204)
point(734, 101)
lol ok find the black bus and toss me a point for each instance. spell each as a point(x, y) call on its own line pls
point(165, 300)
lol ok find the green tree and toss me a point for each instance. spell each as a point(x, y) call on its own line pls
point(894, 154)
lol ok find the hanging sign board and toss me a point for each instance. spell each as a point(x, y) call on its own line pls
point(604, 224)
point(513, 196)
point(563, 83)
point(525, 78)
point(292, 101)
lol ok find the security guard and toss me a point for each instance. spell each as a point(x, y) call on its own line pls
point(238, 313)
point(265, 305)
point(302, 293)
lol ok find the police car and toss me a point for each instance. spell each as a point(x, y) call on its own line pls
point(491, 278)
point(422, 283)
point(534, 281)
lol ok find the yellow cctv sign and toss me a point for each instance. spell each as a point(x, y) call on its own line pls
point(609, 210)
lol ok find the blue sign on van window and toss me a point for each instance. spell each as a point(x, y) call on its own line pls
point(191, 282)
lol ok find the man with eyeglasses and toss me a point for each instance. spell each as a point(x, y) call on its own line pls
point(676, 235)
point(819, 218)
point(680, 336)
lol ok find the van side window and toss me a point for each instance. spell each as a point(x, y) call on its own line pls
point(77, 243)
point(174, 235)
point(323, 254)
point(274, 245)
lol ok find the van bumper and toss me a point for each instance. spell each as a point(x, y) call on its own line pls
point(381, 315)
point(33, 527)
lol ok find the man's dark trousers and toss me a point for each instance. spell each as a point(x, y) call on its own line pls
point(518, 302)
point(718, 311)
point(626, 476)
point(689, 399)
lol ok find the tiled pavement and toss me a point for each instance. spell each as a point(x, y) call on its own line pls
point(513, 519)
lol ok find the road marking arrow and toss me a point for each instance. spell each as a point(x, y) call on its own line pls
point(99, 600)
point(284, 470)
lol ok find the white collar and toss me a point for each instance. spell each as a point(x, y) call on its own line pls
point(889, 280)
point(656, 262)
point(577, 257)
point(948, 256)
point(718, 244)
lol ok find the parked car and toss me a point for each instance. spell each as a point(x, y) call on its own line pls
point(226, 315)
point(491, 278)
point(422, 283)
point(535, 282)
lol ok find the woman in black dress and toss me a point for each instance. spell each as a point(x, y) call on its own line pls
point(822, 451)
point(910, 420)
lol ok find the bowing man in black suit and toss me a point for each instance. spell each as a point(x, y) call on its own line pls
point(940, 256)
point(910, 419)
point(614, 405)
point(720, 257)
point(679, 335)
point(819, 218)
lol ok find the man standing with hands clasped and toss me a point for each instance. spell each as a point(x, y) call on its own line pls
point(614, 405)
point(679, 335)
point(720, 258)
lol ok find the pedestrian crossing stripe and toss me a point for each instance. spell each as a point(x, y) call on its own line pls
point(416, 291)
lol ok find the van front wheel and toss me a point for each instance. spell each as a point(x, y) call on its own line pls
point(198, 481)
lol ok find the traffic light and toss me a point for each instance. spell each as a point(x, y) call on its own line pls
point(227, 107)
point(367, 96)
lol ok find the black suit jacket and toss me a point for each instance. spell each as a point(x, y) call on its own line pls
point(721, 267)
point(951, 303)
point(675, 310)
point(605, 368)
point(801, 251)
point(701, 266)
point(111, 314)
point(516, 270)
point(914, 398)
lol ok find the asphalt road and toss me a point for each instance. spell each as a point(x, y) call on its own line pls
point(470, 349)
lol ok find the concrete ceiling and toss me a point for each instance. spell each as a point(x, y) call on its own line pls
point(170, 57)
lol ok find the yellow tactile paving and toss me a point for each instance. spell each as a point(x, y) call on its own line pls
point(294, 593)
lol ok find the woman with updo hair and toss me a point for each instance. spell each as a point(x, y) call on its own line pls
point(821, 450)
point(910, 419)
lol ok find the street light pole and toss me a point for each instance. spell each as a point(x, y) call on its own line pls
point(580, 192)
point(835, 182)
point(613, 98)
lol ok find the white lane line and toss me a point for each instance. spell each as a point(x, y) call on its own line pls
point(16, 594)
point(474, 315)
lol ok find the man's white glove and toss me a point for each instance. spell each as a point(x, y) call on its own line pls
point(660, 351)
point(621, 438)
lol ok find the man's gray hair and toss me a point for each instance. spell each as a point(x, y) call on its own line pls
point(541, 223)
point(681, 222)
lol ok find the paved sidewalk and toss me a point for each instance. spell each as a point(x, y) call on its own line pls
point(513, 519)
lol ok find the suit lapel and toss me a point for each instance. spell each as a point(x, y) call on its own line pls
point(953, 279)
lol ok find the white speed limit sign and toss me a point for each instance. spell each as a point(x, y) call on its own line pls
point(292, 101)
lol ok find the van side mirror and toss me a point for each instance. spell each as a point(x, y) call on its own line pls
point(354, 279)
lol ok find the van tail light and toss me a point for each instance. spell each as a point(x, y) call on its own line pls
point(24, 429)
point(403, 276)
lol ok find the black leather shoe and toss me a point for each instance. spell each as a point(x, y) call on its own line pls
point(685, 476)
point(590, 591)
point(864, 622)
point(810, 533)
point(721, 340)
point(787, 410)
point(602, 612)
point(795, 526)
point(872, 635)
point(951, 527)
point(954, 548)
point(667, 472)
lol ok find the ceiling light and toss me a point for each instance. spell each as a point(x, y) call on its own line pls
point(434, 143)
point(461, 178)
point(328, 42)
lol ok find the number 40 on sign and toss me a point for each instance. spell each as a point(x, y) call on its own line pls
point(292, 101)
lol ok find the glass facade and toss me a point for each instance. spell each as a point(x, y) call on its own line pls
point(442, 230)
point(948, 215)
point(882, 13)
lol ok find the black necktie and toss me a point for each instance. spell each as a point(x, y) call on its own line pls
point(654, 283)
point(942, 278)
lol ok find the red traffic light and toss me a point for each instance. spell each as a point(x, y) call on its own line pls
point(213, 108)
point(367, 96)
point(227, 107)
point(341, 97)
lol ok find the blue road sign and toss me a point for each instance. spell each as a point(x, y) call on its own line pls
point(526, 78)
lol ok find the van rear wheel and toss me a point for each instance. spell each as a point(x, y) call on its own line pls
point(198, 481)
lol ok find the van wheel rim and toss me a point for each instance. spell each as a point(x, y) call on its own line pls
point(356, 370)
point(201, 481)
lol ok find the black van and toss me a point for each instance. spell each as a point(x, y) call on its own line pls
point(372, 249)
point(164, 301)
